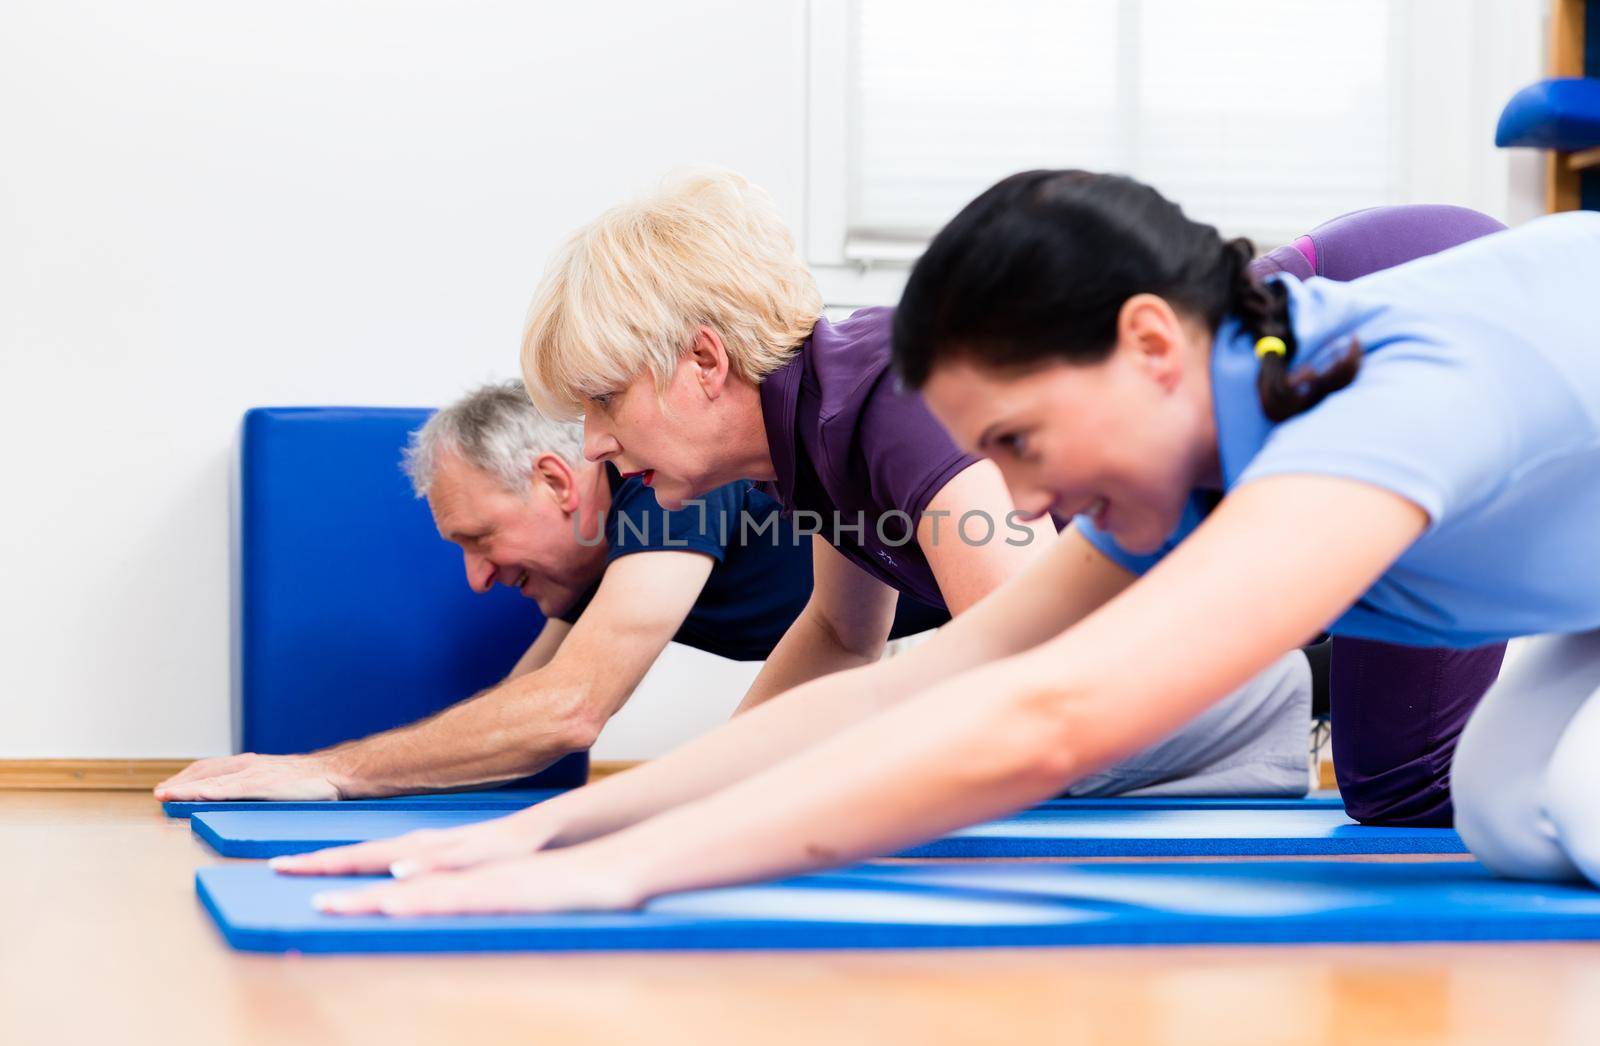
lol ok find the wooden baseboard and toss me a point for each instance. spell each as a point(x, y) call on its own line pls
point(599, 768)
point(114, 775)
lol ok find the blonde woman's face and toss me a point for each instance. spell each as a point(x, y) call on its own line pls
point(671, 438)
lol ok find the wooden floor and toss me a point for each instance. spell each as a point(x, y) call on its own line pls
point(101, 940)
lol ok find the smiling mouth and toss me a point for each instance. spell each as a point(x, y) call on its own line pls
point(1094, 512)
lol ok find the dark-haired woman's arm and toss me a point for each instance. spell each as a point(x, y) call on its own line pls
point(1280, 559)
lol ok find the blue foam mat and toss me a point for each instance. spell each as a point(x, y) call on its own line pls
point(1046, 831)
point(957, 905)
point(1057, 832)
point(503, 799)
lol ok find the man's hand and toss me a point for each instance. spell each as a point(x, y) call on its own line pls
point(252, 776)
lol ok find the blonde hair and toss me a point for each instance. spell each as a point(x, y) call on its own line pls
point(624, 295)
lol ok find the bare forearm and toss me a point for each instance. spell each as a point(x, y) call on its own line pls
point(1013, 732)
point(914, 772)
point(515, 729)
point(808, 651)
point(756, 740)
point(1016, 731)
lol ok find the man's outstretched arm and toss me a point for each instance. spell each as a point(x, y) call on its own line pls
point(512, 730)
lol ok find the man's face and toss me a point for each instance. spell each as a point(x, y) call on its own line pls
point(525, 540)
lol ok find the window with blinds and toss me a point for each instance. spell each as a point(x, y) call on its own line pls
point(1263, 117)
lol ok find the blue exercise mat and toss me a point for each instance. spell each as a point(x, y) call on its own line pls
point(1046, 831)
point(274, 833)
point(506, 800)
point(957, 905)
point(1064, 832)
point(510, 799)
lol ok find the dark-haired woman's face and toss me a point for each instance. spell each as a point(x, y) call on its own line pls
point(1122, 442)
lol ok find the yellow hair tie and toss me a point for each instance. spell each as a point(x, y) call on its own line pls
point(1270, 346)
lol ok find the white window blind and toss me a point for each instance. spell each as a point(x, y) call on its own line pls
point(1263, 117)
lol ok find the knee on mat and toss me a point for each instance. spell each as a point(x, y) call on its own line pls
point(1500, 821)
point(1414, 793)
point(1572, 808)
point(1424, 805)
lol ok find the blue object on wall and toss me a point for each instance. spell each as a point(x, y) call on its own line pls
point(353, 616)
point(1562, 114)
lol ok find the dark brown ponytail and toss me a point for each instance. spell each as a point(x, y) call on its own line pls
point(1263, 311)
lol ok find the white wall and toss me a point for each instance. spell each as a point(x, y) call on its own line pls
point(207, 205)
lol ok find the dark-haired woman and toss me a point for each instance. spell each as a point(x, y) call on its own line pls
point(1412, 457)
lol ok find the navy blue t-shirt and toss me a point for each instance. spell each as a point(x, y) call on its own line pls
point(761, 575)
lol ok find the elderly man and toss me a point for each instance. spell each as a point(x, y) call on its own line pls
point(616, 575)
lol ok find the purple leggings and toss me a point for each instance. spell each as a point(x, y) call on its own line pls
point(1397, 712)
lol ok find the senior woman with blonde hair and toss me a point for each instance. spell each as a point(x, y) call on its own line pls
point(687, 331)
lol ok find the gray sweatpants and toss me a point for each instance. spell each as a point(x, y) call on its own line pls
point(1254, 742)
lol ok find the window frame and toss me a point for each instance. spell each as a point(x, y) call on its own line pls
point(1477, 53)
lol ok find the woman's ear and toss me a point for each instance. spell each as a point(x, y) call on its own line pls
point(708, 358)
point(558, 478)
point(1151, 332)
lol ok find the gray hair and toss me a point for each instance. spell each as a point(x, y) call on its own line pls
point(495, 428)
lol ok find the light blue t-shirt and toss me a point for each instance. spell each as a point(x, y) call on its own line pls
point(1478, 399)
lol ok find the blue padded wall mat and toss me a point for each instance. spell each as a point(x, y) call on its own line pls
point(509, 799)
point(1046, 831)
point(354, 616)
point(957, 905)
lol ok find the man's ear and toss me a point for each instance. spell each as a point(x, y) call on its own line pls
point(708, 361)
point(558, 479)
point(1150, 331)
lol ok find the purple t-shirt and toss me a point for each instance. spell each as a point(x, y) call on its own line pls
point(858, 452)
